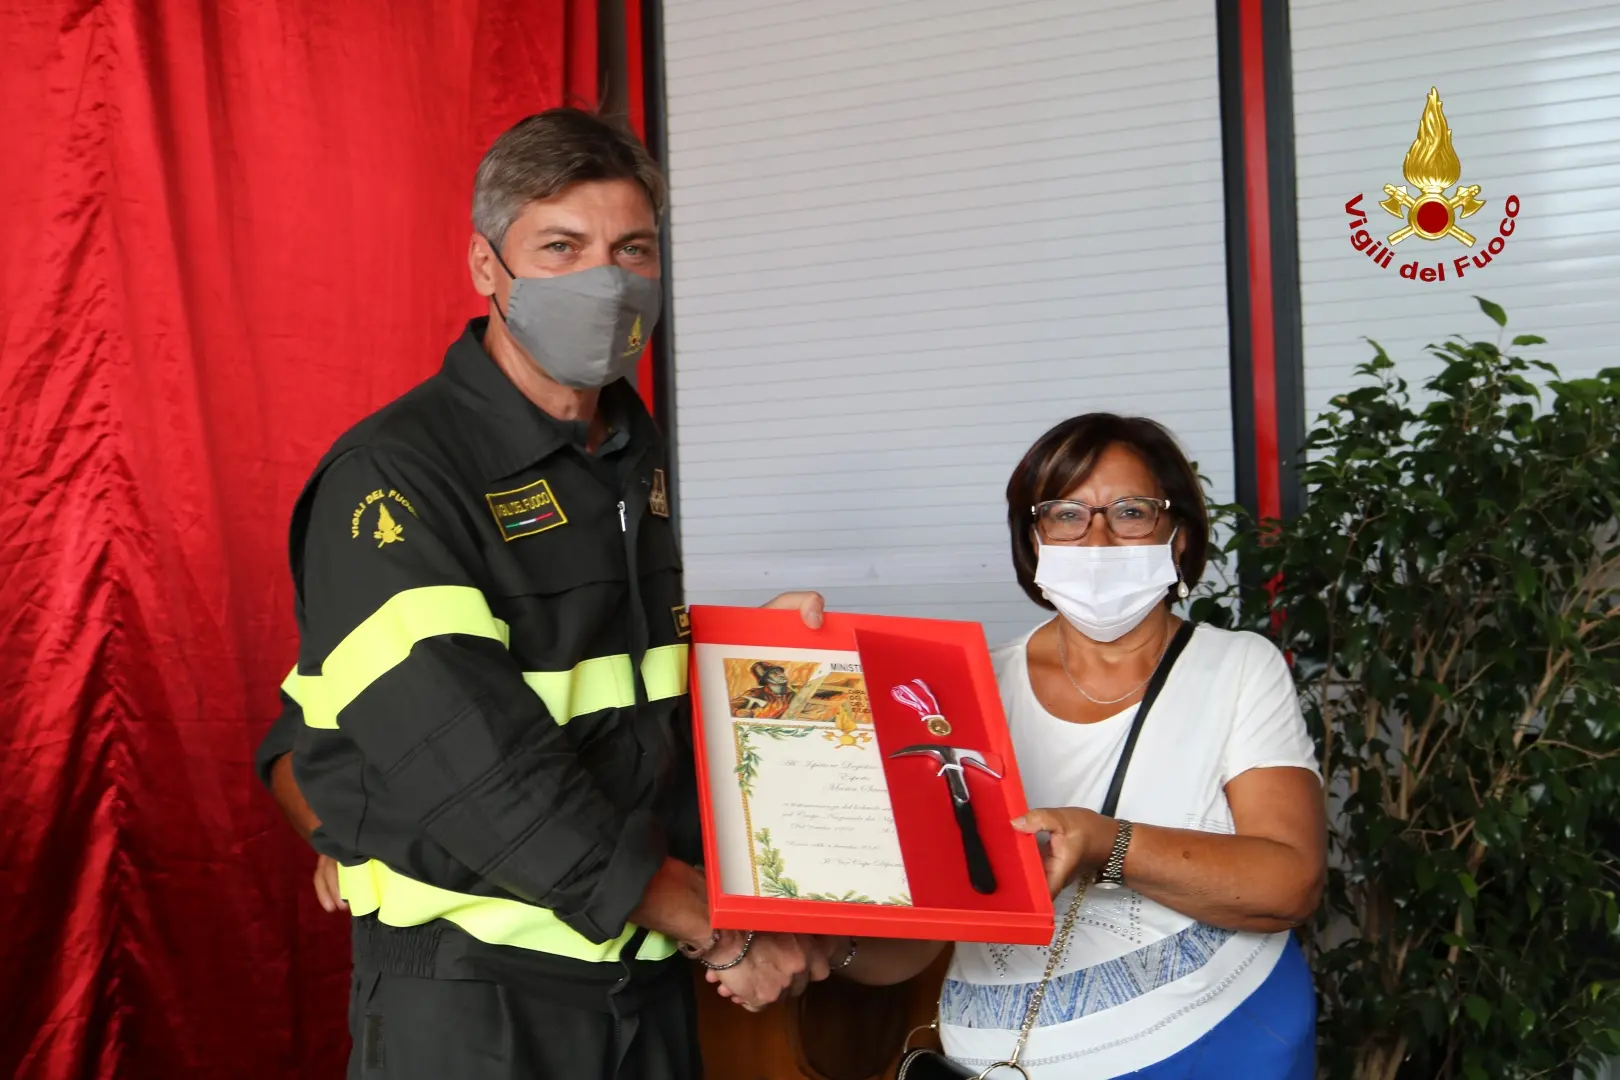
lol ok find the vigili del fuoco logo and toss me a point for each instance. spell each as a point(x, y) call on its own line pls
point(1431, 167)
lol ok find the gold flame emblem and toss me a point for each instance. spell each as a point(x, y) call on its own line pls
point(847, 733)
point(1431, 166)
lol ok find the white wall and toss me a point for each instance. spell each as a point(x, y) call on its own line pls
point(908, 237)
point(1532, 95)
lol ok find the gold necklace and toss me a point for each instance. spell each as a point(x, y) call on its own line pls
point(1063, 660)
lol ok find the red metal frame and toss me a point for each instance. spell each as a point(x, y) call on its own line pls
point(1019, 913)
point(634, 68)
point(1262, 327)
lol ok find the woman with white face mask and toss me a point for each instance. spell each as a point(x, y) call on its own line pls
point(1178, 961)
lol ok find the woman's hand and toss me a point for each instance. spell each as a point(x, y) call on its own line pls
point(810, 606)
point(777, 966)
point(1080, 841)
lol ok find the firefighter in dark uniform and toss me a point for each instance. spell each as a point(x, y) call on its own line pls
point(489, 718)
point(767, 700)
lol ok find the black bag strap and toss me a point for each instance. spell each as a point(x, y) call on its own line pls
point(1160, 675)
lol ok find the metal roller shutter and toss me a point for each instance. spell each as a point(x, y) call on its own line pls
point(907, 238)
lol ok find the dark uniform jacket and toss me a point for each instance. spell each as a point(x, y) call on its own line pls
point(491, 676)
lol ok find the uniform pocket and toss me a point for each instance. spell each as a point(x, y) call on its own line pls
point(553, 564)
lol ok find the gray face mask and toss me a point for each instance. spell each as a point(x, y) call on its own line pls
point(584, 329)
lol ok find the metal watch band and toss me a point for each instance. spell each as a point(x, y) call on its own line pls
point(1113, 871)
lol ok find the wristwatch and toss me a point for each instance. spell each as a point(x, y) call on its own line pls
point(1113, 871)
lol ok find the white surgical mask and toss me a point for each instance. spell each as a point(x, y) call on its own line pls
point(1106, 592)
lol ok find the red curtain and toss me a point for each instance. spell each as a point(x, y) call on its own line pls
point(228, 231)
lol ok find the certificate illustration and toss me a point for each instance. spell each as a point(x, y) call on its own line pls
point(801, 806)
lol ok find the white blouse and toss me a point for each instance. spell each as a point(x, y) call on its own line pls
point(1139, 982)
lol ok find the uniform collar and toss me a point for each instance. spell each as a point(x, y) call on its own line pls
point(517, 433)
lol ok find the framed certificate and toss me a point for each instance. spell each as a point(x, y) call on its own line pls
point(859, 779)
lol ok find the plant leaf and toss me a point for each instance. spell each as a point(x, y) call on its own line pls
point(1493, 310)
point(1469, 885)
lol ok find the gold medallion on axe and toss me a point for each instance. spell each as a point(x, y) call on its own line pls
point(1431, 166)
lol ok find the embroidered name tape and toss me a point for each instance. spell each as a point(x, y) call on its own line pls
point(525, 511)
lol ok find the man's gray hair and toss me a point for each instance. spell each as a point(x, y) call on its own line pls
point(541, 155)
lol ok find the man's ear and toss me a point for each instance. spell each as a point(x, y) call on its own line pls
point(482, 265)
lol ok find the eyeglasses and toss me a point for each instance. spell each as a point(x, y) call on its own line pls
point(1135, 518)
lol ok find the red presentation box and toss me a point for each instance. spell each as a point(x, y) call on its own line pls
point(936, 662)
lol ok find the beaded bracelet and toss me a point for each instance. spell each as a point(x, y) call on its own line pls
point(853, 945)
point(747, 944)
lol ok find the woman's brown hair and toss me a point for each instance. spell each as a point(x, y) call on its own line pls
point(1065, 456)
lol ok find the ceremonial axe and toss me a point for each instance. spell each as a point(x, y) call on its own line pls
point(951, 759)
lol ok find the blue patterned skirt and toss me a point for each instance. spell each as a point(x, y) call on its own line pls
point(1271, 1035)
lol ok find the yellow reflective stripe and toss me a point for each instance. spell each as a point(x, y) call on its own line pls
point(603, 682)
point(664, 670)
point(293, 687)
point(402, 901)
point(385, 639)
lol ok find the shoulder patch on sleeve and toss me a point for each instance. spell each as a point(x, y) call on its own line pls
point(388, 529)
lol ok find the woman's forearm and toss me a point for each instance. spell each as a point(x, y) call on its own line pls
point(886, 961)
point(1234, 882)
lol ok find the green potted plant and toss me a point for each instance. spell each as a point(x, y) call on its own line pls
point(1450, 598)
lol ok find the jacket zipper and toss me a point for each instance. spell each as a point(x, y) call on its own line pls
point(621, 516)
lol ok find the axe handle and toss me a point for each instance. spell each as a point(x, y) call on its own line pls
point(978, 862)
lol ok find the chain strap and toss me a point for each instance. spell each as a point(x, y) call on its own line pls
point(1053, 961)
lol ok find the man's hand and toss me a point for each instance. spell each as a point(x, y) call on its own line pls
point(778, 965)
point(809, 605)
point(326, 884)
point(1080, 841)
